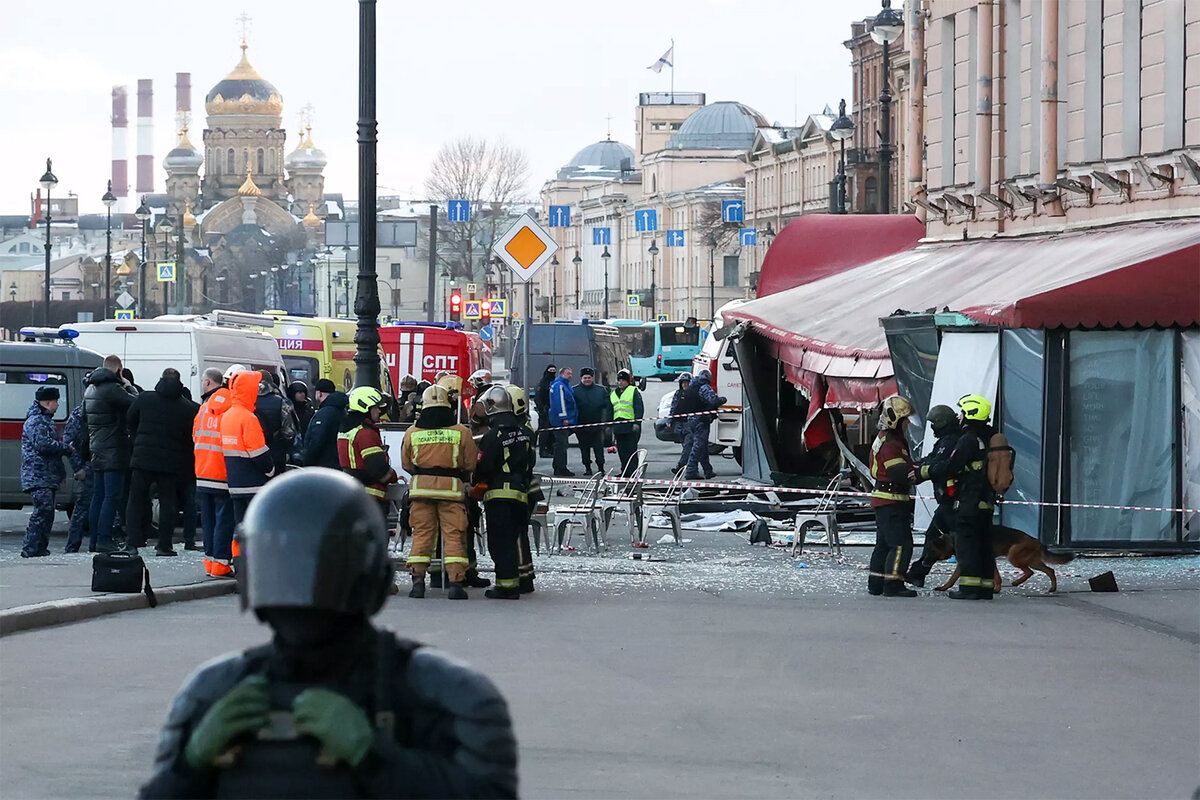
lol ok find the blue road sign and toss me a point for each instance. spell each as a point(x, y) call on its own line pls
point(458, 210)
point(601, 235)
point(732, 211)
point(674, 238)
point(166, 271)
point(124, 313)
point(471, 309)
point(646, 220)
point(486, 333)
point(498, 307)
point(748, 236)
point(633, 299)
point(560, 216)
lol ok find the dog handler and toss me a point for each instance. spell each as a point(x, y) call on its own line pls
point(944, 423)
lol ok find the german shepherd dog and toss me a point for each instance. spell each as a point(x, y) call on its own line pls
point(1022, 551)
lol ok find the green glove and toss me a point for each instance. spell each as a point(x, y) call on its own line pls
point(242, 710)
point(337, 722)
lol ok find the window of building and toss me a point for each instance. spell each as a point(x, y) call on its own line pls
point(262, 164)
point(658, 126)
point(872, 199)
point(729, 267)
point(66, 295)
point(271, 159)
point(395, 271)
point(675, 125)
point(229, 165)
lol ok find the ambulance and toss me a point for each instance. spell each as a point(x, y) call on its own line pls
point(425, 349)
point(717, 356)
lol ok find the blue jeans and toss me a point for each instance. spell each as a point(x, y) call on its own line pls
point(37, 532)
point(83, 510)
point(216, 521)
point(106, 496)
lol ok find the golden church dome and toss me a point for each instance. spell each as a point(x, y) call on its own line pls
point(248, 189)
point(244, 91)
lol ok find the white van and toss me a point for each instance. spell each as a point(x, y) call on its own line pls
point(190, 344)
point(716, 356)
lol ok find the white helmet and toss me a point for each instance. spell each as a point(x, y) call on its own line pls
point(233, 370)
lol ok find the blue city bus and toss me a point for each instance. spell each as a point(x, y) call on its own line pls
point(660, 349)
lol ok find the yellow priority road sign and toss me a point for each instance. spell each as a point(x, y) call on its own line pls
point(525, 247)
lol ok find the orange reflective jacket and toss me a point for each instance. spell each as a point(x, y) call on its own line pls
point(206, 435)
point(248, 462)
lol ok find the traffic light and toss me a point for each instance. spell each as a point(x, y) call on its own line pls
point(485, 311)
point(456, 304)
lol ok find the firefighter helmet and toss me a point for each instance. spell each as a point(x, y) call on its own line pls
point(435, 397)
point(408, 383)
point(480, 378)
point(450, 382)
point(364, 398)
point(942, 419)
point(312, 538)
point(895, 408)
point(519, 403)
point(975, 407)
point(232, 370)
point(496, 401)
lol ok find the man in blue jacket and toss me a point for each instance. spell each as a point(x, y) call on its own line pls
point(42, 451)
point(562, 413)
point(700, 399)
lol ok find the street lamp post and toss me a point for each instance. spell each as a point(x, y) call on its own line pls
point(554, 287)
point(577, 261)
point(109, 199)
point(165, 229)
point(48, 182)
point(712, 281)
point(605, 256)
point(888, 26)
point(366, 304)
point(653, 251)
point(12, 292)
point(841, 129)
point(143, 216)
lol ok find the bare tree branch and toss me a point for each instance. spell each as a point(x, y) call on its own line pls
point(713, 230)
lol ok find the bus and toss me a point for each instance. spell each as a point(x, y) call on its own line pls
point(661, 349)
point(639, 341)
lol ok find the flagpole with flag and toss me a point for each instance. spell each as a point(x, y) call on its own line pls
point(667, 59)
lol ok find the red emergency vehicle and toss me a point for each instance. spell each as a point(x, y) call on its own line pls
point(423, 350)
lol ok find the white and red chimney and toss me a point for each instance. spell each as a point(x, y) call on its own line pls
point(120, 142)
point(145, 136)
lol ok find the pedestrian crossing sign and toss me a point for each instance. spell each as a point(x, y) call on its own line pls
point(498, 308)
point(124, 313)
point(471, 309)
point(166, 272)
point(633, 299)
point(662, 317)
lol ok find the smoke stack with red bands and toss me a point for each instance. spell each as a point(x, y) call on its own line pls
point(145, 136)
point(120, 141)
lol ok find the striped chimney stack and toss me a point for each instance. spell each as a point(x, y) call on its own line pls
point(145, 136)
point(183, 100)
point(120, 137)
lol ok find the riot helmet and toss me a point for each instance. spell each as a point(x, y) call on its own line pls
point(942, 419)
point(313, 539)
point(683, 377)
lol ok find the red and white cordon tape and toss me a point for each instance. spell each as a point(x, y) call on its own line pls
point(551, 429)
point(751, 488)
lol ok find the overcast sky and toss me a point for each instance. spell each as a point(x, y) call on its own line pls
point(541, 75)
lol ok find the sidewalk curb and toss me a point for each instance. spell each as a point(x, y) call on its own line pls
point(75, 609)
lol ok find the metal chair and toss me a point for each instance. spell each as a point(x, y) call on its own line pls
point(584, 513)
point(823, 516)
point(626, 499)
point(539, 527)
point(665, 502)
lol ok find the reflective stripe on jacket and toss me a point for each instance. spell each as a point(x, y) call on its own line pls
point(206, 439)
point(248, 462)
point(622, 402)
point(506, 460)
point(359, 452)
point(449, 449)
point(890, 464)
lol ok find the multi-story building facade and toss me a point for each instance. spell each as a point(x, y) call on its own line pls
point(866, 111)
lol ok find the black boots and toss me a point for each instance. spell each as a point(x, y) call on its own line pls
point(898, 589)
point(526, 585)
point(456, 591)
point(502, 593)
point(875, 585)
point(418, 587)
point(474, 581)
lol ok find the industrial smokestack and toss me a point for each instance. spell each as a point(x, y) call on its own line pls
point(145, 136)
point(183, 99)
point(120, 142)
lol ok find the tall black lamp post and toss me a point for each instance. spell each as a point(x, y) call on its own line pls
point(605, 256)
point(841, 130)
point(888, 26)
point(366, 304)
point(554, 287)
point(109, 199)
point(653, 251)
point(143, 216)
point(577, 262)
point(48, 182)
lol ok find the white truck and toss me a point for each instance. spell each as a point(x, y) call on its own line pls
point(717, 356)
point(190, 344)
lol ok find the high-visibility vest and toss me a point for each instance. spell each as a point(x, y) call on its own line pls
point(206, 435)
point(428, 480)
point(356, 453)
point(623, 403)
point(888, 452)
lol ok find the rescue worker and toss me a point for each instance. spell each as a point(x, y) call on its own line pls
point(944, 423)
point(212, 489)
point(702, 401)
point(332, 706)
point(502, 477)
point(42, 451)
point(563, 414)
point(593, 406)
point(438, 453)
point(627, 406)
point(408, 399)
point(974, 499)
point(535, 494)
point(679, 426)
point(481, 381)
point(248, 462)
point(894, 473)
point(361, 451)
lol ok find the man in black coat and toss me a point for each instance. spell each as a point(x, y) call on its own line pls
point(160, 426)
point(278, 419)
point(105, 401)
point(593, 405)
point(320, 445)
point(541, 401)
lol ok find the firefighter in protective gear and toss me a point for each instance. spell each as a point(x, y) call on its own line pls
point(212, 487)
point(944, 423)
point(407, 401)
point(502, 476)
point(248, 463)
point(894, 473)
point(974, 500)
point(481, 380)
point(361, 451)
point(332, 706)
point(438, 453)
point(535, 494)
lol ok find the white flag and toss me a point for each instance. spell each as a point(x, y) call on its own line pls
point(664, 61)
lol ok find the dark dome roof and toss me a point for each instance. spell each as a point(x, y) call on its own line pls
point(600, 159)
point(244, 91)
point(720, 126)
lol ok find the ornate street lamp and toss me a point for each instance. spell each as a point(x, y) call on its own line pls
point(841, 130)
point(48, 182)
point(605, 256)
point(886, 28)
point(577, 261)
point(653, 251)
point(109, 199)
point(143, 216)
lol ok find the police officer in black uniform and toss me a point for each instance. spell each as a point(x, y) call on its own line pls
point(333, 706)
point(502, 479)
point(944, 423)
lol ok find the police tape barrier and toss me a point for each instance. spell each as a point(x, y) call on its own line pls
point(552, 428)
point(752, 488)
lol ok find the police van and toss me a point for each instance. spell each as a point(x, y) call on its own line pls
point(46, 357)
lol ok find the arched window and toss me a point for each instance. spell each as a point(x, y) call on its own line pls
point(229, 165)
point(261, 162)
point(872, 199)
point(270, 159)
point(653, 183)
